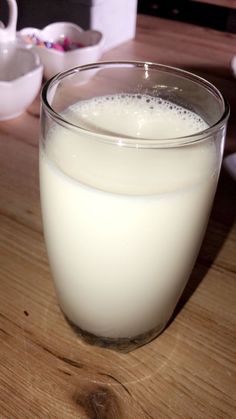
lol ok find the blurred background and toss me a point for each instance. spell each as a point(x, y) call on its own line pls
point(215, 14)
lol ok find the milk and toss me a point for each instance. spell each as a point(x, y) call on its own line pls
point(123, 223)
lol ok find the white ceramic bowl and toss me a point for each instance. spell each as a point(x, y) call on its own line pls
point(20, 79)
point(233, 65)
point(55, 61)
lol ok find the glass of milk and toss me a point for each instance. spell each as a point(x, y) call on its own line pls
point(130, 155)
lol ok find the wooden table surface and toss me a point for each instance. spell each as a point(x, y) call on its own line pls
point(189, 371)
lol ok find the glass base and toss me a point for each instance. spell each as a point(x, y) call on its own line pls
point(124, 345)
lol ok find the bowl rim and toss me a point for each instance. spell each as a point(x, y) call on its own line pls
point(8, 83)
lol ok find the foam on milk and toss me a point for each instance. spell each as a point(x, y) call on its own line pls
point(150, 117)
point(123, 225)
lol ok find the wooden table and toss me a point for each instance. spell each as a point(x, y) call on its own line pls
point(187, 372)
point(231, 4)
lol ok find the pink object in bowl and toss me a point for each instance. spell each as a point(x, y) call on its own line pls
point(55, 60)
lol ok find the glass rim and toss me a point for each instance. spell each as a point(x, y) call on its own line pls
point(130, 141)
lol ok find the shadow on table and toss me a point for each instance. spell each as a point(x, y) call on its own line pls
point(221, 220)
point(224, 208)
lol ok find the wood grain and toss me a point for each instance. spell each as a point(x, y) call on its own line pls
point(189, 371)
point(231, 4)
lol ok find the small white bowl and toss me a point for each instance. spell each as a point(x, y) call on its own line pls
point(20, 79)
point(233, 65)
point(55, 61)
point(230, 164)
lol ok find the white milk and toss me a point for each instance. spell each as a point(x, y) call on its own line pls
point(123, 225)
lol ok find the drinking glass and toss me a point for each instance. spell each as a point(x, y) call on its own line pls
point(130, 155)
